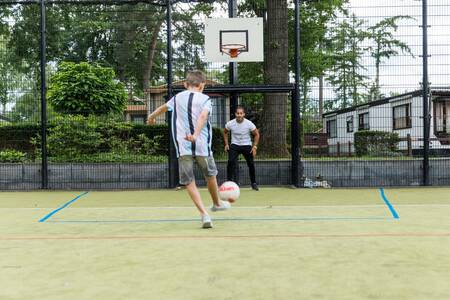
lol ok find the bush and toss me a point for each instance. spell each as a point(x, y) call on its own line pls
point(12, 156)
point(376, 143)
point(95, 139)
point(18, 137)
point(85, 89)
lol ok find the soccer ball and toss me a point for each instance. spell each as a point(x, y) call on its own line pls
point(229, 191)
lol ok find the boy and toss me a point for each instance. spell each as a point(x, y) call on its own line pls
point(190, 113)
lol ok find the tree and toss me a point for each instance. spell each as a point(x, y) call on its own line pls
point(315, 58)
point(276, 71)
point(85, 89)
point(125, 37)
point(345, 73)
point(385, 46)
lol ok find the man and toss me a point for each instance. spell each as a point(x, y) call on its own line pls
point(191, 109)
point(241, 143)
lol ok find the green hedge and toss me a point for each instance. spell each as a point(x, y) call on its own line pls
point(376, 143)
point(75, 138)
point(18, 137)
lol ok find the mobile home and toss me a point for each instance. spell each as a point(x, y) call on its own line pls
point(402, 114)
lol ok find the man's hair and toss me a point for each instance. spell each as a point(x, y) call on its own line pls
point(195, 78)
point(240, 107)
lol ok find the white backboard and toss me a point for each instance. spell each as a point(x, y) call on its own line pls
point(247, 32)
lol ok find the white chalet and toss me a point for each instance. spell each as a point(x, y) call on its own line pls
point(402, 114)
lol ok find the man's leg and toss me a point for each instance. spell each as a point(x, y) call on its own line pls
point(250, 163)
point(233, 155)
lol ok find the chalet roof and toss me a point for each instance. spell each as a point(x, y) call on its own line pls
point(136, 108)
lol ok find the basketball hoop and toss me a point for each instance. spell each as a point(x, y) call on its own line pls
point(232, 50)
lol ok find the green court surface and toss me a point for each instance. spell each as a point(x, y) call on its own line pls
point(277, 243)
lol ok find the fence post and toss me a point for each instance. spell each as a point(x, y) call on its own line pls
point(349, 148)
point(409, 144)
point(295, 105)
point(43, 59)
point(173, 162)
point(338, 149)
point(425, 91)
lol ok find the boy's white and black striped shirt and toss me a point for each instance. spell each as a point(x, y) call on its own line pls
point(186, 107)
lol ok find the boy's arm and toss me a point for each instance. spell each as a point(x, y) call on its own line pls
point(151, 120)
point(198, 128)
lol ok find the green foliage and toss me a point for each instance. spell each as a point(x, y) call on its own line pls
point(12, 156)
point(94, 139)
point(18, 137)
point(385, 46)
point(376, 143)
point(346, 70)
point(85, 89)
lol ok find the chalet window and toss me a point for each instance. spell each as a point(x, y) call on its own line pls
point(401, 116)
point(332, 128)
point(350, 124)
point(138, 119)
point(363, 121)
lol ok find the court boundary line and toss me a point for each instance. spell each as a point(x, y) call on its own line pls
point(239, 207)
point(49, 215)
point(225, 219)
point(389, 205)
point(215, 237)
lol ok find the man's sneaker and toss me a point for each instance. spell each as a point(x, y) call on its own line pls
point(206, 221)
point(255, 187)
point(224, 205)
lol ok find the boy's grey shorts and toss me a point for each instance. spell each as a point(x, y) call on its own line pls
point(186, 167)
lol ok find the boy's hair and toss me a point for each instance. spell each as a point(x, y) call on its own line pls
point(195, 78)
point(240, 107)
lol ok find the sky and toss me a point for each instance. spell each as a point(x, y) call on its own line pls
point(404, 73)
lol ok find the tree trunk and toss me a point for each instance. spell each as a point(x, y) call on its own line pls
point(273, 129)
point(146, 77)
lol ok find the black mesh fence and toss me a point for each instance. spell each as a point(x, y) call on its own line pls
point(361, 93)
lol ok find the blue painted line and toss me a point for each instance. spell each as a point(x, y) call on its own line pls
point(224, 219)
point(389, 205)
point(62, 207)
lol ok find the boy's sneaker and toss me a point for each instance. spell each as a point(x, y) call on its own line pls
point(224, 205)
point(255, 187)
point(206, 221)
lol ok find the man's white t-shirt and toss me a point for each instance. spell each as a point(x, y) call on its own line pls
point(186, 107)
point(240, 132)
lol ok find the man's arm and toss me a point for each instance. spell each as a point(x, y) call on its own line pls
point(255, 141)
point(225, 139)
point(151, 120)
point(198, 128)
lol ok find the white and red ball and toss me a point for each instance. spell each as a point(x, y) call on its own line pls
point(229, 191)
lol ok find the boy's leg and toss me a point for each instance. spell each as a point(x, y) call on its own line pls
point(187, 178)
point(209, 170)
point(196, 198)
point(233, 155)
point(213, 189)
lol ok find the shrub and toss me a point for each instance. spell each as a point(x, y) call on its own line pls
point(95, 139)
point(376, 143)
point(85, 89)
point(18, 137)
point(12, 156)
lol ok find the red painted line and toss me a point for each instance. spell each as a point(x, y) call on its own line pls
point(266, 236)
